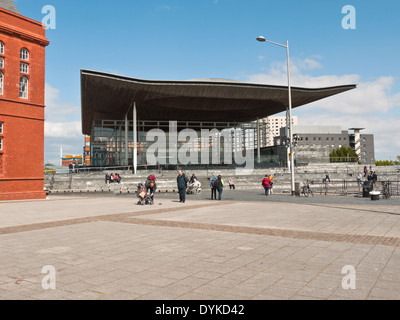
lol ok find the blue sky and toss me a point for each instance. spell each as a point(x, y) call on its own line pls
point(188, 39)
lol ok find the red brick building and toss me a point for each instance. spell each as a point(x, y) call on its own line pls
point(22, 89)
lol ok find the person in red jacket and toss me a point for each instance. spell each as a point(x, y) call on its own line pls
point(266, 183)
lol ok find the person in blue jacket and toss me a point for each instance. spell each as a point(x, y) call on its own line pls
point(213, 188)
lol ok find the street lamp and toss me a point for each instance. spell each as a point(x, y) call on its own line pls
point(291, 155)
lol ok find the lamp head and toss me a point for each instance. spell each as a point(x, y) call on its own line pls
point(261, 39)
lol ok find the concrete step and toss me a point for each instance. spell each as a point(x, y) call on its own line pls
point(166, 180)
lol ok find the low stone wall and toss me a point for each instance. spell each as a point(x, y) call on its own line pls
point(166, 180)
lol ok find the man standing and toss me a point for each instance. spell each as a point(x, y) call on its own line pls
point(219, 185)
point(181, 181)
point(374, 178)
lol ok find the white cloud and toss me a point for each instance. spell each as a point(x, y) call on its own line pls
point(62, 130)
point(369, 97)
point(62, 126)
point(62, 118)
point(57, 109)
point(372, 105)
point(310, 64)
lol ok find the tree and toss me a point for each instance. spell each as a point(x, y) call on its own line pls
point(343, 154)
point(388, 162)
point(383, 163)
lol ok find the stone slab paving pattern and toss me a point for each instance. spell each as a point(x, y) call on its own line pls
point(110, 248)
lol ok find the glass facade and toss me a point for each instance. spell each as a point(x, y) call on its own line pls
point(171, 143)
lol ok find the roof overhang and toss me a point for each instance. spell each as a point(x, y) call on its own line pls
point(109, 97)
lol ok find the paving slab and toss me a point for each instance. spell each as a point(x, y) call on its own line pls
point(103, 248)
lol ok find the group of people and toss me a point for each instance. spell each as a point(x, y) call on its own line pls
point(216, 185)
point(186, 185)
point(113, 177)
point(147, 190)
point(369, 175)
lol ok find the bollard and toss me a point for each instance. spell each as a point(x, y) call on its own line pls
point(297, 188)
point(374, 195)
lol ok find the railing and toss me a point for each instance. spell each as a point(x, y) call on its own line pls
point(343, 159)
point(65, 170)
point(391, 188)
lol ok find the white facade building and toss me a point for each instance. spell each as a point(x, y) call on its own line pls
point(270, 128)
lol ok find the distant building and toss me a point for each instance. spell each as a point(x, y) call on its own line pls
point(70, 159)
point(270, 128)
point(22, 84)
point(86, 151)
point(331, 138)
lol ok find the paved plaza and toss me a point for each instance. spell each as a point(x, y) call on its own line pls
point(278, 247)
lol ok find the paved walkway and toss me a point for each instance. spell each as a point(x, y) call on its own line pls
point(111, 248)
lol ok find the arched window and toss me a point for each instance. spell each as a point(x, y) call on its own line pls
point(1, 82)
point(1, 47)
point(24, 54)
point(24, 67)
point(23, 87)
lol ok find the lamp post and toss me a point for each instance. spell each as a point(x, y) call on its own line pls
point(291, 155)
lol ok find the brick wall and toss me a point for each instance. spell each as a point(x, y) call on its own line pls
point(21, 173)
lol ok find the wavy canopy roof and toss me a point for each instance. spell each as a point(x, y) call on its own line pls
point(109, 97)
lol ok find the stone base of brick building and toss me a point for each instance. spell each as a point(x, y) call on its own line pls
point(23, 195)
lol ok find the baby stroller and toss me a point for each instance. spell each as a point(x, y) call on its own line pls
point(193, 188)
point(144, 197)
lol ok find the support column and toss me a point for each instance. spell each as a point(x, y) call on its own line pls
point(134, 139)
point(357, 142)
point(287, 134)
point(126, 139)
point(119, 145)
point(258, 141)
